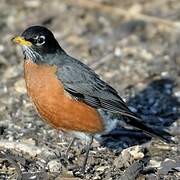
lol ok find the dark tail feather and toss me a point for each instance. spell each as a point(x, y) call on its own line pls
point(159, 133)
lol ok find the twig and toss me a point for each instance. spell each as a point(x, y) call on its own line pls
point(35, 175)
point(92, 5)
point(32, 150)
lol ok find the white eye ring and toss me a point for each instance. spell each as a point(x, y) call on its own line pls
point(40, 40)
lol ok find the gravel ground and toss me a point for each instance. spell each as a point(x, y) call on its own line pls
point(133, 45)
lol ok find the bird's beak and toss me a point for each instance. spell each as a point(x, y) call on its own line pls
point(21, 41)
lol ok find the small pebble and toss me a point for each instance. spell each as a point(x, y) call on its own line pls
point(54, 166)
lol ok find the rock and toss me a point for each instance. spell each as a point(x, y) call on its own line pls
point(117, 52)
point(54, 166)
point(29, 141)
point(128, 156)
point(11, 72)
point(20, 86)
point(177, 93)
point(137, 153)
point(122, 160)
point(102, 168)
point(152, 177)
point(167, 165)
point(154, 163)
point(32, 4)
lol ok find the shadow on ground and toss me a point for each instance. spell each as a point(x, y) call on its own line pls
point(157, 106)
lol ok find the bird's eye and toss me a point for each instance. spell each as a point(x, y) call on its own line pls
point(40, 40)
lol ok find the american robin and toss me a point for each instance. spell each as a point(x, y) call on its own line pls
point(67, 93)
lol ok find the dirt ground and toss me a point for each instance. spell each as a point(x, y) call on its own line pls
point(133, 45)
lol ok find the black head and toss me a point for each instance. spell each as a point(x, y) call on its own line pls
point(37, 42)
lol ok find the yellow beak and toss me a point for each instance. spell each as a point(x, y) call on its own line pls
point(21, 41)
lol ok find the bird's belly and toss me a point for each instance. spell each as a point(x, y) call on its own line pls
point(55, 105)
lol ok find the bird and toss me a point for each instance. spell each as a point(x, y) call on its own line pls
point(68, 94)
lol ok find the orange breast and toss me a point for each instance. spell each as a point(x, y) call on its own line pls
point(55, 105)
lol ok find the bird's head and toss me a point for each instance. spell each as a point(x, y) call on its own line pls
point(37, 42)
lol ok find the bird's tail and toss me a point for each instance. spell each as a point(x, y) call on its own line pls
point(135, 121)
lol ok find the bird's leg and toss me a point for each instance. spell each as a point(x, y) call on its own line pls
point(87, 154)
point(69, 146)
point(64, 158)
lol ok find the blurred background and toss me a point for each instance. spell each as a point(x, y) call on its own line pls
point(133, 45)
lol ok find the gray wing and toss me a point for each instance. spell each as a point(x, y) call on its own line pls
point(82, 83)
